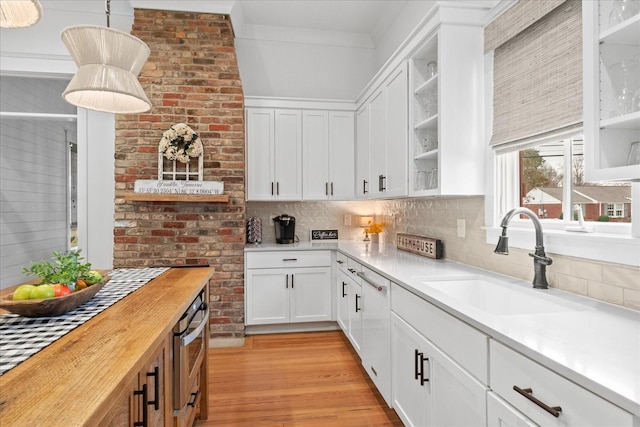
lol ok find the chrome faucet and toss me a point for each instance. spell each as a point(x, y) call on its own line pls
point(540, 259)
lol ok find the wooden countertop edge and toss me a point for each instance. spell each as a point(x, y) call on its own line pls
point(75, 380)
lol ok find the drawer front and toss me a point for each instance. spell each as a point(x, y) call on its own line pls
point(353, 268)
point(466, 345)
point(341, 261)
point(284, 259)
point(579, 407)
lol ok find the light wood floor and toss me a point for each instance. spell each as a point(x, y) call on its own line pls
point(301, 379)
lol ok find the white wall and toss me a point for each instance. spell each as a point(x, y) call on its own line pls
point(301, 70)
point(38, 50)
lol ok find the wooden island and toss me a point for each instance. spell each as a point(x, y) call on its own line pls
point(89, 376)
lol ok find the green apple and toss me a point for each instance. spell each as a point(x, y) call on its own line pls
point(23, 292)
point(92, 277)
point(43, 292)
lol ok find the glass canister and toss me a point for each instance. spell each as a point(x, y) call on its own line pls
point(634, 154)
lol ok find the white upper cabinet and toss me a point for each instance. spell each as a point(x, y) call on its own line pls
point(381, 156)
point(446, 121)
point(328, 155)
point(611, 43)
point(274, 154)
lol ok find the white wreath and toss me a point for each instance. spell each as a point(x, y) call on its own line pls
point(180, 143)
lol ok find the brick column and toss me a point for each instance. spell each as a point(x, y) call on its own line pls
point(191, 77)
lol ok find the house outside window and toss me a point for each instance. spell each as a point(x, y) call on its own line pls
point(615, 210)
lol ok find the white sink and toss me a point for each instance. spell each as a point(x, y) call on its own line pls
point(502, 299)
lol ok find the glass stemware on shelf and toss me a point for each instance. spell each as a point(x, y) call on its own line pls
point(626, 99)
point(623, 10)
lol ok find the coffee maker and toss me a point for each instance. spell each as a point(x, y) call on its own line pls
point(285, 228)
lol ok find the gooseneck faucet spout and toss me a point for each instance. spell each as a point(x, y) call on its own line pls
point(540, 259)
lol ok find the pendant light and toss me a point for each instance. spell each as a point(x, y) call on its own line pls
point(19, 13)
point(109, 62)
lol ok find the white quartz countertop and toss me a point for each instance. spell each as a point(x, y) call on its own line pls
point(592, 343)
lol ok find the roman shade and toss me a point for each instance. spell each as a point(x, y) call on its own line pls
point(537, 73)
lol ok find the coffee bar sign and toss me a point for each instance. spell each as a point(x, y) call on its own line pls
point(152, 186)
point(424, 246)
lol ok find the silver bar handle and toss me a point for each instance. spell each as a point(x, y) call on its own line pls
point(192, 336)
point(379, 288)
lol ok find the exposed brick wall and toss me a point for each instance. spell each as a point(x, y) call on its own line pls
point(191, 77)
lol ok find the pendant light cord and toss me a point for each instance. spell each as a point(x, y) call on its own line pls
point(107, 9)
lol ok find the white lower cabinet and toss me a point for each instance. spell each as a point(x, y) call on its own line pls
point(354, 307)
point(501, 414)
point(428, 387)
point(546, 398)
point(294, 290)
point(343, 301)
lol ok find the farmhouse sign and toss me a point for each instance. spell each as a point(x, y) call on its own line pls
point(424, 246)
point(324, 234)
point(152, 186)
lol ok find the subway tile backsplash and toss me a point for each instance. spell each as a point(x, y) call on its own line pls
point(438, 218)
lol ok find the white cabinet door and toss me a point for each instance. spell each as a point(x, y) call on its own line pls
point(429, 388)
point(457, 399)
point(315, 144)
point(310, 294)
point(502, 414)
point(288, 155)
point(342, 292)
point(363, 179)
point(267, 296)
point(395, 175)
point(341, 155)
point(377, 144)
point(355, 315)
point(260, 153)
point(409, 392)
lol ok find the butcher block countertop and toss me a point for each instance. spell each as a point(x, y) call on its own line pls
point(75, 380)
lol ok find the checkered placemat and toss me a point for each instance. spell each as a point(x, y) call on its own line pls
point(22, 337)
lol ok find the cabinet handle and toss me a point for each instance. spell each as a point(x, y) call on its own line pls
point(326, 188)
point(357, 298)
point(344, 293)
point(528, 393)
point(291, 280)
point(289, 259)
point(277, 188)
point(351, 270)
point(379, 288)
point(143, 393)
point(364, 186)
point(272, 188)
point(332, 188)
point(194, 398)
point(340, 262)
point(382, 183)
point(156, 387)
point(286, 281)
point(419, 360)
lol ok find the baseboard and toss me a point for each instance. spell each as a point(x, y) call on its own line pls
point(290, 327)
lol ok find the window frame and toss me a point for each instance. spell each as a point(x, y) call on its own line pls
point(610, 242)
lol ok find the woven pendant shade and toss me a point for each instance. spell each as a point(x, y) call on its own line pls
point(19, 13)
point(109, 62)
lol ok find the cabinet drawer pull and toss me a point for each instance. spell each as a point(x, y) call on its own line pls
point(340, 262)
point(351, 270)
point(143, 393)
point(156, 387)
point(379, 288)
point(528, 393)
point(344, 293)
point(289, 259)
point(357, 308)
point(194, 399)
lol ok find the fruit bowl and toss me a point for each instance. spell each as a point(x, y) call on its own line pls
point(51, 306)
